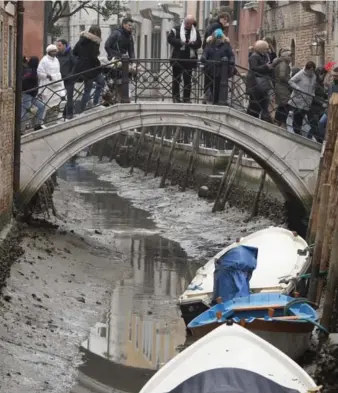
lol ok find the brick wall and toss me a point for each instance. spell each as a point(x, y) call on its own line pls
point(291, 20)
point(7, 112)
point(33, 28)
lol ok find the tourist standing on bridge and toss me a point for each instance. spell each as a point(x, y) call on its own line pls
point(49, 74)
point(222, 22)
point(30, 98)
point(185, 41)
point(87, 51)
point(259, 82)
point(283, 90)
point(303, 85)
point(67, 64)
point(121, 42)
point(218, 48)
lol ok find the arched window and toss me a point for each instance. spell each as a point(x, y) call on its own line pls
point(293, 52)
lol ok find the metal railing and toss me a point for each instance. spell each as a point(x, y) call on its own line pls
point(160, 80)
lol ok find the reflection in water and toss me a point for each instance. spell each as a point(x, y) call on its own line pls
point(142, 329)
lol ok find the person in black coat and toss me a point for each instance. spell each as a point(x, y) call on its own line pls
point(30, 84)
point(67, 63)
point(259, 81)
point(185, 40)
point(218, 48)
point(120, 41)
point(87, 50)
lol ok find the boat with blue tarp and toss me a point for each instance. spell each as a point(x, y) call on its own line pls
point(283, 321)
point(282, 259)
point(231, 359)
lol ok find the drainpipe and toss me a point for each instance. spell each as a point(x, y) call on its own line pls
point(18, 90)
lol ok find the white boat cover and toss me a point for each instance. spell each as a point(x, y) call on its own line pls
point(230, 380)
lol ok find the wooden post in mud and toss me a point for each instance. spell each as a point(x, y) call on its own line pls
point(170, 158)
point(192, 158)
point(113, 148)
point(232, 179)
point(101, 149)
point(332, 282)
point(151, 152)
point(326, 162)
point(315, 264)
point(223, 181)
point(158, 158)
point(137, 148)
point(254, 210)
point(331, 173)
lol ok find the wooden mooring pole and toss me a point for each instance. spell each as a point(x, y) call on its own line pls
point(255, 206)
point(192, 159)
point(332, 174)
point(325, 164)
point(170, 158)
point(153, 143)
point(223, 181)
point(137, 148)
point(158, 158)
point(332, 282)
point(315, 263)
point(231, 180)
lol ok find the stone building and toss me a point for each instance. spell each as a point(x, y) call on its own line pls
point(308, 28)
point(34, 28)
point(7, 108)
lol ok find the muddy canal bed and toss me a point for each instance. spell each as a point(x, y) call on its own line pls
point(103, 286)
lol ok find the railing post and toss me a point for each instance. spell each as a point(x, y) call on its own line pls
point(125, 80)
point(223, 90)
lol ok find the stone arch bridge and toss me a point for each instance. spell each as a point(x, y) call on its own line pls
point(290, 160)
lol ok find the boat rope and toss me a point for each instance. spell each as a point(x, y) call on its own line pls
point(304, 300)
point(296, 301)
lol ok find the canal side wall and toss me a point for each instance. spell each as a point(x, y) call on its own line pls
point(210, 165)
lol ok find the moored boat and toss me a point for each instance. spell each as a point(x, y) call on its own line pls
point(283, 321)
point(230, 359)
point(282, 256)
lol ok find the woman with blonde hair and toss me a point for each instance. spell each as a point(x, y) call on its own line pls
point(218, 47)
point(259, 81)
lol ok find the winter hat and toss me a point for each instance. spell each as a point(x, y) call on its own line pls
point(218, 33)
point(50, 48)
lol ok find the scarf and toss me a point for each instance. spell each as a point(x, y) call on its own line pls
point(193, 34)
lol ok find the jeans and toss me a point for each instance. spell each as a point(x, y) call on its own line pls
point(27, 101)
point(322, 126)
point(187, 75)
point(88, 86)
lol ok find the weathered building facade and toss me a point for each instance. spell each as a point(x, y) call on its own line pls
point(7, 108)
point(308, 28)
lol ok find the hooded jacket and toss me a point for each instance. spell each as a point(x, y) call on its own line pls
point(67, 62)
point(87, 50)
point(120, 42)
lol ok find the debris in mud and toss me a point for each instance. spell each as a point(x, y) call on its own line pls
point(81, 299)
point(97, 232)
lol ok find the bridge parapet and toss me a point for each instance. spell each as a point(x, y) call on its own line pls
point(291, 160)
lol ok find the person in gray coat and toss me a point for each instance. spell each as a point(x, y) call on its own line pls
point(283, 90)
point(303, 85)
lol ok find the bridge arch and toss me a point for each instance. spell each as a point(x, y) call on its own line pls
point(43, 152)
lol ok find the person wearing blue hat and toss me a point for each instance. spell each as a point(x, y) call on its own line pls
point(217, 48)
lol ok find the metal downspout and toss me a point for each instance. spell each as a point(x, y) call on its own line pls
point(18, 91)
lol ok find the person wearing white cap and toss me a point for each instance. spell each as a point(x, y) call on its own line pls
point(49, 71)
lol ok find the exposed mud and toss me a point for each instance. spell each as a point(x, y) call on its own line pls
point(54, 294)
